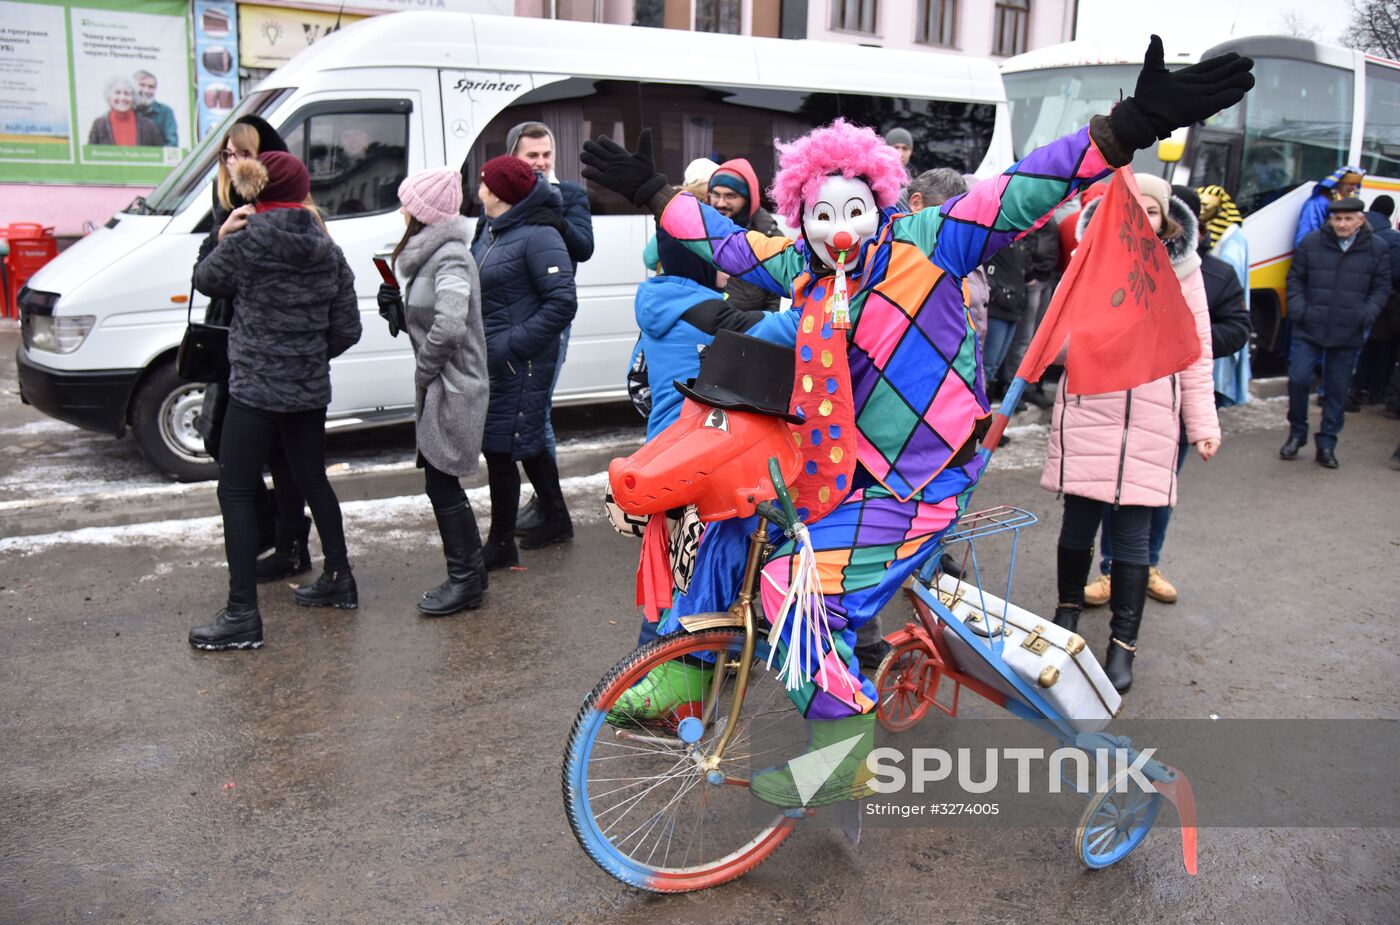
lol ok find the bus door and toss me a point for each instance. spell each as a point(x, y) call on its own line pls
point(1215, 159)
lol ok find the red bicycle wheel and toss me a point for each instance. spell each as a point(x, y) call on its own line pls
point(903, 682)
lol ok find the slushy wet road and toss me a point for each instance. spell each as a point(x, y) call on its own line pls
point(375, 766)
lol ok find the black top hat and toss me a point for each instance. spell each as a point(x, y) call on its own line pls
point(743, 373)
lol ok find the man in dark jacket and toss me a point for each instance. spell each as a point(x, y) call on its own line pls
point(1339, 282)
point(734, 192)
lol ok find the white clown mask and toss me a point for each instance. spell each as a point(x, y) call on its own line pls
point(842, 217)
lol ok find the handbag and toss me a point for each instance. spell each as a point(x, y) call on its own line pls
point(203, 354)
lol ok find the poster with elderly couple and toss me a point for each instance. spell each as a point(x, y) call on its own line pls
point(98, 92)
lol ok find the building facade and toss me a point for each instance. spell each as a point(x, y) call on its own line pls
point(987, 28)
point(67, 161)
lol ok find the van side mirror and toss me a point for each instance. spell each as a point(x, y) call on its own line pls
point(1169, 150)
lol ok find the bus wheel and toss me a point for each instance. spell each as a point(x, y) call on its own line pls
point(163, 419)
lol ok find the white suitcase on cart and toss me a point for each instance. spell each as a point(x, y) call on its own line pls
point(1049, 658)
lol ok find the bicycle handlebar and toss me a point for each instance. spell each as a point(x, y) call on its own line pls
point(776, 474)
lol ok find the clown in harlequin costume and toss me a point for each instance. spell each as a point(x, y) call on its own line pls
point(889, 386)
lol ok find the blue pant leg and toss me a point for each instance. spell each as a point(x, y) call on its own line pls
point(1161, 517)
point(549, 409)
point(999, 334)
point(1302, 362)
point(648, 632)
point(1106, 540)
point(1336, 375)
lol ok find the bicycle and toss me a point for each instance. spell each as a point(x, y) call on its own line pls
point(688, 782)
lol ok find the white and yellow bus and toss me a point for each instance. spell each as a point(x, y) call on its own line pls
point(1314, 107)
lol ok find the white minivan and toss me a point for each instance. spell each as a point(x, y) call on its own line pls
point(399, 93)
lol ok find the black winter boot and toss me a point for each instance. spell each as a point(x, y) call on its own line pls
point(500, 552)
point(293, 558)
point(1128, 595)
point(231, 628)
point(555, 525)
point(332, 589)
point(530, 517)
point(461, 547)
point(1071, 571)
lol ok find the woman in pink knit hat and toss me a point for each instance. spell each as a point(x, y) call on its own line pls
point(439, 298)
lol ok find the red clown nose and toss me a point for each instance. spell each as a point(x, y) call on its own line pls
point(842, 241)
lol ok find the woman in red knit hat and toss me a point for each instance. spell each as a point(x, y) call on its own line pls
point(527, 291)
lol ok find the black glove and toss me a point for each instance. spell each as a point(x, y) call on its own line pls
point(391, 308)
point(630, 174)
point(1164, 101)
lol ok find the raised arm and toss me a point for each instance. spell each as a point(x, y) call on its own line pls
point(967, 230)
point(770, 263)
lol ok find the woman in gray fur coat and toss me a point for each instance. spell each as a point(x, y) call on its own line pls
point(440, 304)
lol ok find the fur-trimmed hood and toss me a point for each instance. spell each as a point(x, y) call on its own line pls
point(426, 242)
point(249, 178)
point(1181, 249)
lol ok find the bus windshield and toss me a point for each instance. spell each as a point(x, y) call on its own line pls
point(196, 170)
point(1297, 128)
point(1048, 103)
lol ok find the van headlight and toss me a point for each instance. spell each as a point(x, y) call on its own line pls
point(58, 334)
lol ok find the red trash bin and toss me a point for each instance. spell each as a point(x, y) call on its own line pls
point(31, 246)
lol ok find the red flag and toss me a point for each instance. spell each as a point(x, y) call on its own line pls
point(1119, 304)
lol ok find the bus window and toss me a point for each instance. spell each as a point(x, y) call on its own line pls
point(690, 121)
point(1380, 139)
point(727, 122)
point(574, 109)
point(1297, 127)
point(1049, 103)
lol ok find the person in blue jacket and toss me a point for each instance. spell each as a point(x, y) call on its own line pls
point(527, 292)
point(1339, 184)
point(678, 311)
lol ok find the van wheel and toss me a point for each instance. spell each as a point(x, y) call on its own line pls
point(163, 420)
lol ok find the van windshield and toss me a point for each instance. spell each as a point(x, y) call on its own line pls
point(195, 172)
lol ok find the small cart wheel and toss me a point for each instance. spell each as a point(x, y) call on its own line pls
point(903, 683)
point(1114, 823)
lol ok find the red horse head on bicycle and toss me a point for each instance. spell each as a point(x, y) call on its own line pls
point(713, 458)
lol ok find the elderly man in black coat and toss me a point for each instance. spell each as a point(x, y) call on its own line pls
point(1339, 281)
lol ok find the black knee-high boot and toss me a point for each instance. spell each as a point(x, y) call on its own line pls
point(1072, 568)
point(500, 551)
point(466, 569)
point(1128, 594)
point(555, 525)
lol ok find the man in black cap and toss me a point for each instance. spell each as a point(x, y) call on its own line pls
point(1339, 281)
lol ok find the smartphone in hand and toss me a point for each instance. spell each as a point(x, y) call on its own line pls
point(381, 263)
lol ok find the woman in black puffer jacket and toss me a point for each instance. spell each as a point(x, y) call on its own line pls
point(294, 308)
point(527, 290)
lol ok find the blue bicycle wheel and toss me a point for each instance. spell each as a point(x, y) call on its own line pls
point(1115, 823)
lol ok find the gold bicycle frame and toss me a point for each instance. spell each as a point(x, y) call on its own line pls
point(741, 613)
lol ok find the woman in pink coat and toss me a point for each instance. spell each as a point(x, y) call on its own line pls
point(1120, 449)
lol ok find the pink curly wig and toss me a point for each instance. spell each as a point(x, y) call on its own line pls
point(850, 150)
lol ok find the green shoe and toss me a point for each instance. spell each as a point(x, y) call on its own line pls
point(661, 692)
point(831, 770)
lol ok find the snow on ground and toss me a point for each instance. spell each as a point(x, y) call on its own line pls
point(407, 518)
